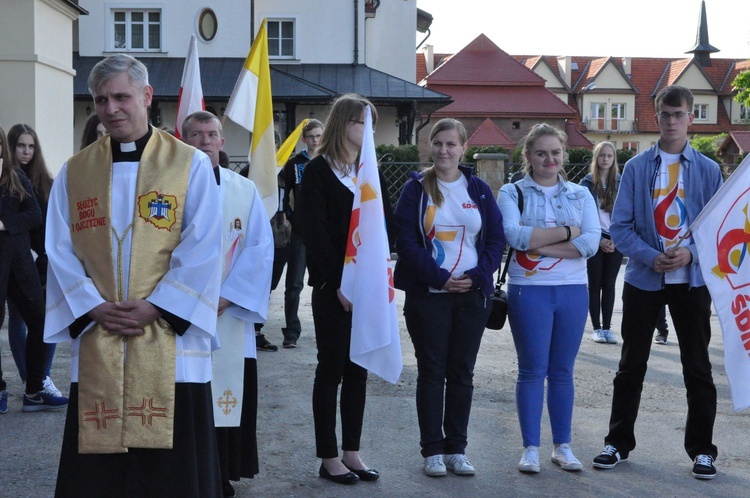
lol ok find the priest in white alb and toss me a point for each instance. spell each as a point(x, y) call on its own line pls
point(247, 263)
point(134, 229)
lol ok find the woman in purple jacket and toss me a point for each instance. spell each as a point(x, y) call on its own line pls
point(450, 242)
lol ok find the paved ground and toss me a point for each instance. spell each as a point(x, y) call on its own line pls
point(30, 442)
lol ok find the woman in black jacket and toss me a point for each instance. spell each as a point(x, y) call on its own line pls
point(26, 154)
point(327, 195)
point(19, 279)
point(603, 182)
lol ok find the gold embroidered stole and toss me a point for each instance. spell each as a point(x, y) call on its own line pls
point(126, 386)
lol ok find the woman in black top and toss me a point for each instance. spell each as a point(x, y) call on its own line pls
point(26, 154)
point(19, 280)
point(327, 195)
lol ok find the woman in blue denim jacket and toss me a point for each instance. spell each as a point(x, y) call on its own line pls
point(547, 294)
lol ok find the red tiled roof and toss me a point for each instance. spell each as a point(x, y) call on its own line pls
point(494, 101)
point(741, 138)
point(575, 137)
point(437, 59)
point(482, 62)
point(488, 134)
point(511, 91)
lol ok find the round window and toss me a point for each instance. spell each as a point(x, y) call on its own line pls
point(207, 24)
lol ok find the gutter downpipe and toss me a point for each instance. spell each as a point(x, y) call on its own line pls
point(356, 33)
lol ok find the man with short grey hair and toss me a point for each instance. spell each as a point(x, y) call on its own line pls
point(134, 257)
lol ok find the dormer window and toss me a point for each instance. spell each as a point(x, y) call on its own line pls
point(701, 112)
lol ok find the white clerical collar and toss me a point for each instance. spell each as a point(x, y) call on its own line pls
point(127, 147)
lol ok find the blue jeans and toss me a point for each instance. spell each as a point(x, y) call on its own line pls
point(547, 323)
point(17, 342)
point(295, 281)
point(446, 330)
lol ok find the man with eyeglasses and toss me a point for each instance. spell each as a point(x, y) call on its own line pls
point(312, 132)
point(662, 191)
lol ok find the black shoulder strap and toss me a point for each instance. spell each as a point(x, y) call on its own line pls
point(501, 276)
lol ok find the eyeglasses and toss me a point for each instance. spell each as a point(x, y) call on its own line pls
point(357, 122)
point(677, 115)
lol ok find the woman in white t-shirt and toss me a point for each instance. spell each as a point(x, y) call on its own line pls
point(449, 244)
point(547, 294)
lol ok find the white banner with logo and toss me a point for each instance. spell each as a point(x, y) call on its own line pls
point(722, 236)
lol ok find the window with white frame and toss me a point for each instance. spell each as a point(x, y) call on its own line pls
point(137, 29)
point(281, 38)
point(596, 121)
point(618, 116)
point(701, 112)
point(630, 146)
point(744, 112)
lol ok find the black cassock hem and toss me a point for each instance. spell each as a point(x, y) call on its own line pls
point(190, 469)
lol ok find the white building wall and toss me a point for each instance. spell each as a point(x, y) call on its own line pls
point(388, 34)
point(179, 21)
point(324, 29)
point(36, 73)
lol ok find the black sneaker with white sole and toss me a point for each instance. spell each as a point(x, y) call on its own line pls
point(609, 457)
point(703, 467)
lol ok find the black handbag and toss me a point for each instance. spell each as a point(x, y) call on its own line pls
point(499, 298)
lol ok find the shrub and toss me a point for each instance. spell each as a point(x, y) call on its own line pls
point(398, 153)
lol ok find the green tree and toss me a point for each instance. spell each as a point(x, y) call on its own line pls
point(741, 85)
point(708, 145)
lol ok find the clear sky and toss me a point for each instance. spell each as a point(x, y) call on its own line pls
point(634, 28)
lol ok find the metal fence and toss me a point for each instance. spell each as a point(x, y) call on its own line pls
point(397, 174)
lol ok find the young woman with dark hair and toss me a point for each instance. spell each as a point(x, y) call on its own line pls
point(19, 280)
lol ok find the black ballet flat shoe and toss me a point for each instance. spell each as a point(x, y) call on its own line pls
point(367, 475)
point(348, 478)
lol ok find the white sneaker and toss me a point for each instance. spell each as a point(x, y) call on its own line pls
point(434, 466)
point(610, 336)
point(563, 456)
point(459, 464)
point(50, 387)
point(529, 460)
point(599, 336)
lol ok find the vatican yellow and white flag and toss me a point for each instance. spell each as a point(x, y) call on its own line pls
point(287, 148)
point(722, 236)
point(251, 106)
point(367, 280)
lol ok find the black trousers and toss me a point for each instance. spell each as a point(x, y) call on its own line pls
point(19, 283)
point(691, 311)
point(333, 328)
point(446, 330)
point(602, 269)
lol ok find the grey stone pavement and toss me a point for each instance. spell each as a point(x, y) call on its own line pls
point(30, 442)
